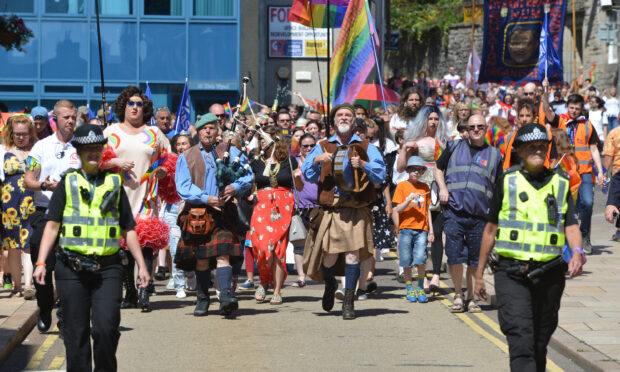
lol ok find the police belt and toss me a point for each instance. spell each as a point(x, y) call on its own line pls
point(90, 263)
point(532, 270)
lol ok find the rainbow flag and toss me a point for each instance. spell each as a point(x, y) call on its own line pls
point(227, 109)
point(274, 108)
point(593, 73)
point(494, 137)
point(245, 105)
point(353, 57)
point(438, 150)
point(315, 13)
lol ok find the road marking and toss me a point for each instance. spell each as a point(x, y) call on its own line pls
point(551, 366)
point(57, 362)
point(37, 358)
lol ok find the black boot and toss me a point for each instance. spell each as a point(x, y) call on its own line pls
point(328, 295)
point(143, 297)
point(161, 273)
point(131, 295)
point(347, 305)
point(202, 304)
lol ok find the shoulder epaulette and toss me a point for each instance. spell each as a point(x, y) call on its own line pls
point(514, 168)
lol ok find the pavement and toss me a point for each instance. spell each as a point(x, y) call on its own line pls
point(588, 333)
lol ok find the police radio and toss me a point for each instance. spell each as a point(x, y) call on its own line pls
point(552, 208)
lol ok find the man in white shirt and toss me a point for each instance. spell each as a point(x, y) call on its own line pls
point(452, 77)
point(48, 160)
point(612, 107)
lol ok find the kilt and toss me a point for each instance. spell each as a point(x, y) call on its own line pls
point(222, 240)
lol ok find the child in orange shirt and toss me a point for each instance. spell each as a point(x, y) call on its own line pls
point(412, 200)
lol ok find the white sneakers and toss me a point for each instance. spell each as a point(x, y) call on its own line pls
point(181, 293)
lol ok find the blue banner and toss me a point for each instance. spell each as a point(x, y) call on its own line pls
point(182, 123)
point(512, 35)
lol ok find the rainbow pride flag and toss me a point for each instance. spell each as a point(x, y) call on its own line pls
point(353, 57)
point(227, 109)
point(315, 13)
point(245, 105)
point(494, 137)
point(438, 150)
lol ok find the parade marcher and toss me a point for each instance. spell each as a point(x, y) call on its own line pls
point(90, 210)
point(138, 150)
point(41, 122)
point(465, 173)
point(410, 103)
point(47, 161)
point(215, 246)
point(584, 138)
point(531, 216)
point(342, 226)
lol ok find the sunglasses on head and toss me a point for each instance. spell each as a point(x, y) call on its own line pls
point(476, 127)
point(134, 103)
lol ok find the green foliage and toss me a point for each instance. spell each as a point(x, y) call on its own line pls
point(421, 18)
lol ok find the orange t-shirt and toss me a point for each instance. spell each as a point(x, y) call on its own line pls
point(415, 216)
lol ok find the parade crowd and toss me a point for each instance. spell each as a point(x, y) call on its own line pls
point(440, 172)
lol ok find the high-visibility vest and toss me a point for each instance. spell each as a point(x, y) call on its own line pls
point(524, 229)
point(508, 155)
point(581, 143)
point(85, 228)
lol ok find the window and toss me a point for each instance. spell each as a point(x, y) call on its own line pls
point(66, 52)
point(219, 8)
point(17, 6)
point(163, 7)
point(64, 6)
point(115, 7)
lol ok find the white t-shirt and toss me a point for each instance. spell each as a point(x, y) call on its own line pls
point(612, 106)
point(398, 177)
point(396, 123)
point(390, 146)
point(598, 120)
point(53, 158)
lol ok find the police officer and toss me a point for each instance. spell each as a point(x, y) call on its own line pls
point(531, 215)
point(91, 211)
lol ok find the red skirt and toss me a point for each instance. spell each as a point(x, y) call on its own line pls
point(269, 229)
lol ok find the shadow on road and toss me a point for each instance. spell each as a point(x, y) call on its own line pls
point(364, 312)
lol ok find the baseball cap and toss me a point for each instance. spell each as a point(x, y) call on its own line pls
point(40, 112)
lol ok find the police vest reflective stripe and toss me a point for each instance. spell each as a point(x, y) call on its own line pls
point(470, 180)
point(581, 143)
point(85, 228)
point(524, 230)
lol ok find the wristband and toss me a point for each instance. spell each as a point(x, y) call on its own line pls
point(40, 264)
point(582, 253)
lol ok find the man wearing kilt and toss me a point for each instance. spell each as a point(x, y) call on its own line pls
point(340, 234)
point(197, 185)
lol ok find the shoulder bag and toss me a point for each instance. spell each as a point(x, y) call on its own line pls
point(297, 231)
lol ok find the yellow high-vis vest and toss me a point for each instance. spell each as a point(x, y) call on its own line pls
point(85, 228)
point(524, 229)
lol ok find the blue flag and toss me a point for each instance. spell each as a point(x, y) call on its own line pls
point(182, 121)
point(543, 58)
point(91, 114)
point(150, 96)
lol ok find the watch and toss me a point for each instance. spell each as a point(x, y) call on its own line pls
point(43, 188)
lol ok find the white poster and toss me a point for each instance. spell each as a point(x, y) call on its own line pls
point(292, 40)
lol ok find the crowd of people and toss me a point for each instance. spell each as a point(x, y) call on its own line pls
point(201, 204)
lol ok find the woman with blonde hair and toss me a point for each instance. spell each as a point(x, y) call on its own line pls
point(271, 219)
point(17, 203)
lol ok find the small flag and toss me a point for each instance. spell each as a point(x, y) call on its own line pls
point(438, 150)
point(182, 122)
point(274, 108)
point(91, 114)
point(245, 105)
point(150, 96)
point(227, 109)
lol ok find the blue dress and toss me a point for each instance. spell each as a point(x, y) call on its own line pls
point(17, 205)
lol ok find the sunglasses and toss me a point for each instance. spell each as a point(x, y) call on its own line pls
point(417, 169)
point(221, 115)
point(307, 146)
point(528, 94)
point(476, 127)
point(134, 103)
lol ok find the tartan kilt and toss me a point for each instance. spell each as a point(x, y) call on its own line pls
point(221, 241)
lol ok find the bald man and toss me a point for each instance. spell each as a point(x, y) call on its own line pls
point(218, 110)
point(466, 173)
point(531, 92)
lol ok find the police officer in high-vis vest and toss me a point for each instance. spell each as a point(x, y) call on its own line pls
point(531, 216)
point(88, 213)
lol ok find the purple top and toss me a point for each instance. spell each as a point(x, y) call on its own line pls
point(308, 197)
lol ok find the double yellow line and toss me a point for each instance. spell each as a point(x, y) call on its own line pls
point(37, 359)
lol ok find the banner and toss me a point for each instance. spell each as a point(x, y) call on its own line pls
point(512, 28)
point(293, 40)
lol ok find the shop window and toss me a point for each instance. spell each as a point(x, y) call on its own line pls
point(214, 8)
point(163, 7)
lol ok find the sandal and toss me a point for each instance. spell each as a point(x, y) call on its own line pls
point(260, 294)
point(276, 299)
point(457, 304)
point(473, 307)
point(434, 285)
point(427, 289)
point(299, 283)
point(16, 294)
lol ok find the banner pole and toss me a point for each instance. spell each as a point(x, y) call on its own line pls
point(473, 10)
point(575, 49)
point(329, 57)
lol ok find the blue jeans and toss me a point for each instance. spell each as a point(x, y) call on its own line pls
point(585, 200)
point(170, 216)
point(612, 123)
point(463, 237)
point(412, 247)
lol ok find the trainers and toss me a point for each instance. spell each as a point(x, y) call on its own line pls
point(191, 283)
point(361, 295)
point(421, 296)
point(339, 294)
point(411, 296)
point(181, 293)
point(170, 284)
point(616, 237)
point(248, 284)
point(8, 283)
point(587, 245)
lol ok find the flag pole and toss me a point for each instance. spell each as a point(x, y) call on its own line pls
point(547, 6)
point(575, 48)
point(316, 54)
point(329, 57)
point(374, 50)
point(473, 9)
point(103, 105)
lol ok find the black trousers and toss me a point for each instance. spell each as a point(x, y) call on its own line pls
point(80, 294)
point(528, 315)
point(45, 293)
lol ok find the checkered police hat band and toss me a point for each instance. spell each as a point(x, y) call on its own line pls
point(535, 135)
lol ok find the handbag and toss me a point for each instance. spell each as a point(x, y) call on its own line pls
point(297, 232)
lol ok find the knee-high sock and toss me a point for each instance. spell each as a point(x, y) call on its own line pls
point(224, 279)
point(203, 279)
point(329, 273)
point(351, 274)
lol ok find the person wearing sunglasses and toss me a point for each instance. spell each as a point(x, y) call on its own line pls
point(218, 110)
point(47, 161)
point(533, 93)
point(466, 173)
point(531, 217)
point(133, 146)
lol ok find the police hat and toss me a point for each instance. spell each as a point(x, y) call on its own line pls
point(88, 134)
point(531, 133)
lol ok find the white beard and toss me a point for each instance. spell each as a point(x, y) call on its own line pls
point(343, 128)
